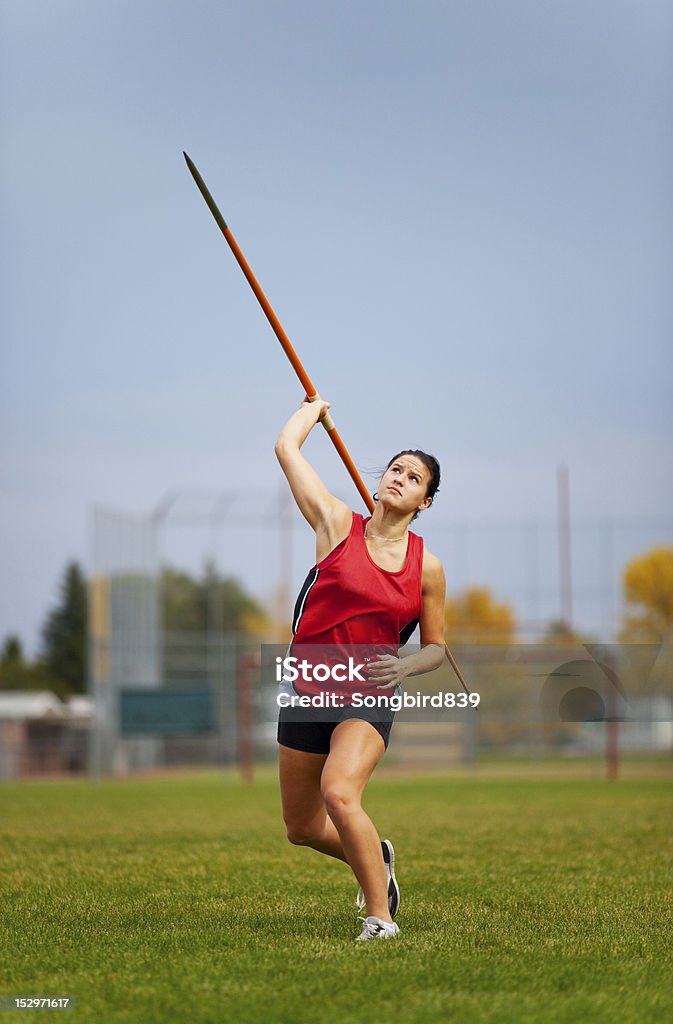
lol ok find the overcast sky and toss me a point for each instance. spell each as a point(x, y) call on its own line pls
point(461, 212)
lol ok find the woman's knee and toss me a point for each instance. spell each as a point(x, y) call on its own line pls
point(340, 799)
point(300, 833)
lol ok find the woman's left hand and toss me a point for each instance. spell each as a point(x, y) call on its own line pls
point(386, 671)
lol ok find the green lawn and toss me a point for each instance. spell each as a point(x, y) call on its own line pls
point(181, 900)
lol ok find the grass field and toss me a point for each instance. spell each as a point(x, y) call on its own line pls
point(181, 900)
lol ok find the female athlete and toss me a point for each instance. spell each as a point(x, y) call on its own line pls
point(373, 582)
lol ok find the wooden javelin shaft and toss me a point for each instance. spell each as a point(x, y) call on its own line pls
point(306, 383)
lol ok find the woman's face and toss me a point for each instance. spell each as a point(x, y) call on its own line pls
point(404, 484)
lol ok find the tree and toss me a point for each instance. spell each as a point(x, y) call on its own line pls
point(214, 602)
point(16, 673)
point(12, 653)
point(197, 615)
point(64, 632)
point(476, 617)
point(559, 632)
point(648, 593)
point(12, 665)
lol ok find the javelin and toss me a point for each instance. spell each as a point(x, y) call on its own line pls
point(311, 391)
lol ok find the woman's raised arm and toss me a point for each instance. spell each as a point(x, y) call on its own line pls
point(325, 513)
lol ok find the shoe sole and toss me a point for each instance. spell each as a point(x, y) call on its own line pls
point(393, 887)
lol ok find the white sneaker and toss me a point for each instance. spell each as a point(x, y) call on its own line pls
point(375, 928)
point(393, 887)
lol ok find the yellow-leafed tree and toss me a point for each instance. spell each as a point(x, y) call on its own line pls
point(648, 592)
point(475, 616)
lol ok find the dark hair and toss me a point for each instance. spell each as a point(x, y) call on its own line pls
point(431, 465)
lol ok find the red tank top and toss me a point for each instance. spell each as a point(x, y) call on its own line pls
point(347, 599)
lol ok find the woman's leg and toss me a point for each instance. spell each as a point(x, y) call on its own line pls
point(355, 750)
point(304, 811)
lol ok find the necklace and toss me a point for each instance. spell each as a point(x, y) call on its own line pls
point(375, 536)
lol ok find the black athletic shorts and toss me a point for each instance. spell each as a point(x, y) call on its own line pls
point(304, 733)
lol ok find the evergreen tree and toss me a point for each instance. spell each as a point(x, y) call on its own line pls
point(11, 656)
point(17, 673)
point(64, 632)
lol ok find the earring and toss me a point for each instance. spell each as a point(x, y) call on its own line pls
point(375, 496)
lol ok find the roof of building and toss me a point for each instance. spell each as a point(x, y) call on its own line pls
point(17, 705)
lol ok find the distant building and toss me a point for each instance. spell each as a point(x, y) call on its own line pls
point(42, 735)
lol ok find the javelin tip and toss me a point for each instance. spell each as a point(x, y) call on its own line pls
point(203, 189)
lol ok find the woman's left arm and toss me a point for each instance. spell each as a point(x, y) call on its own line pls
point(433, 595)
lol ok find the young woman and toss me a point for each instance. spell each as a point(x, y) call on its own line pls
point(373, 582)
